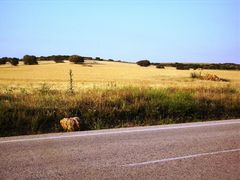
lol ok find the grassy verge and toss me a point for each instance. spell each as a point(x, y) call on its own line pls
point(40, 110)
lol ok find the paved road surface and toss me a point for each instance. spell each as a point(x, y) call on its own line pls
point(209, 150)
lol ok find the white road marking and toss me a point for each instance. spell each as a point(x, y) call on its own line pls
point(149, 129)
point(179, 158)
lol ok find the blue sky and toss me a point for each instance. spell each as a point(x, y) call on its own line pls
point(158, 30)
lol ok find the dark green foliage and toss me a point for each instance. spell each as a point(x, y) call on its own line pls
point(3, 60)
point(14, 61)
point(88, 58)
point(59, 61)
point(98, 59)
point(144, 63)
point(181, 66)
point(76, 59)
point(186, 66)
point(56, 58)
point(30, 60)
point(159, 66)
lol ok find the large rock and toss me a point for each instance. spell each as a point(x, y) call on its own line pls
point(70, 124)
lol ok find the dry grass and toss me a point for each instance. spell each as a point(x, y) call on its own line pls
point(41, 110)
point(107, 74)
point(123, 95)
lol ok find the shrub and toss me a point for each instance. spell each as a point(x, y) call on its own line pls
point(3, 60)
point(98, 59)
point(76, 59)
point(14, 61)
point(213, 77)
point(30, 60)
point(181, 66)
point(159, 66)
point(143, 63)
point(56, 60)
point(88, 58)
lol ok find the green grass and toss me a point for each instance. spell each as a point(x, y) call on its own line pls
point(39, 110)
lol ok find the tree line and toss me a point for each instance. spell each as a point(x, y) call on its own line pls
point(33, 60)
point(219, 66)
point(187, 66)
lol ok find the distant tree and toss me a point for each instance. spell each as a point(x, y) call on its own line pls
point(88, 58)
point(30, 60)
point(143, 63)
point(98, 59)
point(58, 59)
point(3, 60)
point(159, 66)
point(13, 61)
point(181, 66)
point(76, 59)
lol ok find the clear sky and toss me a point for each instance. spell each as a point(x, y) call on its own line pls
point(158, 30)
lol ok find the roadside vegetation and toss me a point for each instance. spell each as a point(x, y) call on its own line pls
point(39, 110)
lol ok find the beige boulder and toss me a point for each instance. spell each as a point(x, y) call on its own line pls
point(70, 124)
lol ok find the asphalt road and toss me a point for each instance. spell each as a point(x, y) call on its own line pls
point(209, 150)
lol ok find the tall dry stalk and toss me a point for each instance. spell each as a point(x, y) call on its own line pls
point(71, 81)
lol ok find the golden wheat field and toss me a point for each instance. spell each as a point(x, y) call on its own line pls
point(103, 74)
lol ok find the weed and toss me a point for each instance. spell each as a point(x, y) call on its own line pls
point(40, 112)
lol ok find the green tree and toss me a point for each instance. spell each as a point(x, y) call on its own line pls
point(76, 59)
point(144, 63)
point(13, 61)
point(30, 60)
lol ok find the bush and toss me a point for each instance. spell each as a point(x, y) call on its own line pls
point(159, 66)
point(3, 60)
point(76, 59)
point(56, 60)
point(98, 59)
point(14, 61)
point(30, 60)
point(88, 58)
point(144, 63)
point(181, 66)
